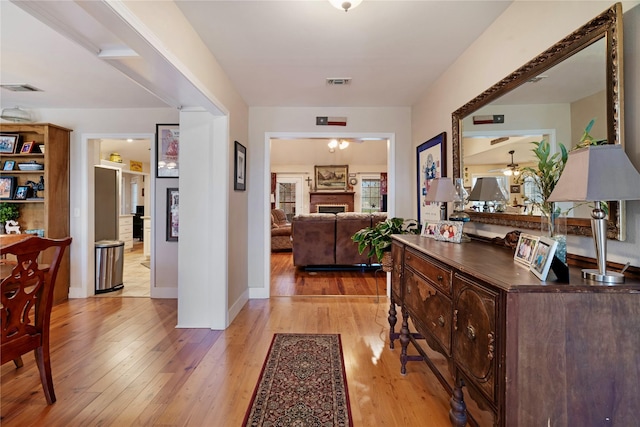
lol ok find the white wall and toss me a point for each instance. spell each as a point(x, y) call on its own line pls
point(508, 44)
point(264, 121)
point(86, 124)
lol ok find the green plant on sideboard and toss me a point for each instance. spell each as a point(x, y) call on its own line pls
point(378, 237)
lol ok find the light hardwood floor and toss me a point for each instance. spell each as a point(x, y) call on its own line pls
point(121, 362)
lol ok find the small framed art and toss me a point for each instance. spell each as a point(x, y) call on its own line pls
point(542, 257)
point(527, 244)
point(432, 163)
point(27, 147)
point(429, 229)
point(22, 192)
point(240, 167)
point(7, 187)
point(449, 231)
point(173, 222)
point(8, 142)
point(514, 188)
point(167, 151)
point(9, 165)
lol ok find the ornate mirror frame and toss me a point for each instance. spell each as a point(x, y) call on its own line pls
point(607, 25)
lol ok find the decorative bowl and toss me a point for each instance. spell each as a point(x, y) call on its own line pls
point(31, 166)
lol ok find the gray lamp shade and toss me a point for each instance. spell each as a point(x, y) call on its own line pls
point(487, 189)
point(597, 173)
point(441, 190)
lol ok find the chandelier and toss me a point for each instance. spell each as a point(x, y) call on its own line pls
point(333, 144)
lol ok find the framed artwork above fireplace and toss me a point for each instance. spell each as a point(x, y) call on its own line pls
point(332, 177)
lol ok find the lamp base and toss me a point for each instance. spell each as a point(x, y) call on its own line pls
point(610, 277)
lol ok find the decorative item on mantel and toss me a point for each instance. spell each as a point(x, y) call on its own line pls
point(378, 238)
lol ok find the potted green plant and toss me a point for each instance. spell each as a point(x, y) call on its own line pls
point(378, 238)
point(8, 212)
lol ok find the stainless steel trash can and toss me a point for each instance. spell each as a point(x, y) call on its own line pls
point(109, 265)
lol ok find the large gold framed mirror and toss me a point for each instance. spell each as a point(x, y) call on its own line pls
point(592, 57)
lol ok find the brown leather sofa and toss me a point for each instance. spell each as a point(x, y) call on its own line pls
point(321, 239)
point(280, 231)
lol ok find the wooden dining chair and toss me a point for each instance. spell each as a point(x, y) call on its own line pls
point(26, 294)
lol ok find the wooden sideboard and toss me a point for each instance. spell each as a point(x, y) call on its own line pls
point(331, 198)
point(510, 349)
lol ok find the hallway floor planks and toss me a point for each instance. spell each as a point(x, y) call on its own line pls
point(121, 361)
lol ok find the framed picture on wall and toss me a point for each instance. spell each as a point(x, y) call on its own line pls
point(240, 167)
point(173, 222)
point(331, 177)
point(431, 158)
point(167, 151)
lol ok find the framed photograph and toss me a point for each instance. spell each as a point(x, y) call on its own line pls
point(527, 244)
point(449, 231)
point(173, 203)
point(240, 167)
point(8, 142)
point(9, 165)
point(429, 229)
point(7, 187)
point(27, 147)
point(167, 151)
point(514, 188)
point(542, 257)
point(331, 177)
point(431, 164)
point(22, 192)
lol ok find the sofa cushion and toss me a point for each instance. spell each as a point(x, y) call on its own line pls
point(347, 224)
point(314, 239)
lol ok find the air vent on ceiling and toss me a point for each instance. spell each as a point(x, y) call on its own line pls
point(21, 88)
point(339, 81)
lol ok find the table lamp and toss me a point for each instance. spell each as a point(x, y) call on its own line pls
point(598, 173)
point(441, 190)
point(488, 189)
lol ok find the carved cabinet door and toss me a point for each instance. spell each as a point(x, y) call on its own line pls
point(474, 324)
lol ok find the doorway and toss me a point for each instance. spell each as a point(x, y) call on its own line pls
point(367, 156)
point(133, 209)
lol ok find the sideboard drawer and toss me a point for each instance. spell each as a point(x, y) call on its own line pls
point(430, 310)
point(436, 274)
point(474, 333)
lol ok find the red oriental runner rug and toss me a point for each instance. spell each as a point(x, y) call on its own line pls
point(302, 383)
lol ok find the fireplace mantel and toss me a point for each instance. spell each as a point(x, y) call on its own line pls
point(330, 198)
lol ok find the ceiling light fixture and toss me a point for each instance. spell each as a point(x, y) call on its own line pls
point(343, 144)
point(345, 5)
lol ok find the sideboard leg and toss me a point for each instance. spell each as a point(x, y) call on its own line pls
point(458, 412)
point(404, 340)
point(393, 319)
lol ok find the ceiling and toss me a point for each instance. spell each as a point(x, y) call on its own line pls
point(276, 53)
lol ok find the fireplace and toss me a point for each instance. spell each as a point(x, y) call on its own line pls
point(342, 199)
point(332, 208)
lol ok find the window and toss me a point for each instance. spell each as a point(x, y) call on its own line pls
point(370, 198)
point(287, 198)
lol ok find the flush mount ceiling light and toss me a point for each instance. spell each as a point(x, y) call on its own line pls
point(15, 114)
point(345, 5)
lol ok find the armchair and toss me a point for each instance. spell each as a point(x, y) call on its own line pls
point(280, 231)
